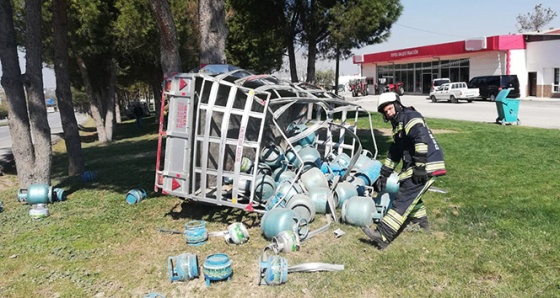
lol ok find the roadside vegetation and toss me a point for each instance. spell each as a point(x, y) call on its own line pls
point(3, 109)
point(494, 233)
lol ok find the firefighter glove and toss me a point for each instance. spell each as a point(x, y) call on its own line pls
point(386, 171)
point(380, 184)
point(419, 175)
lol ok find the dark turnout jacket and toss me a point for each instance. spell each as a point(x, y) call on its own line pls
point(414, 145)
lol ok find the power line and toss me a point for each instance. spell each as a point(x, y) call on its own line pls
point(428, 31)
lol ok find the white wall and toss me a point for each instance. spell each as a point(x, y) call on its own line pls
point(368, 70)
point(487, 63)
point(494, 63)
point(518, 66)
point(542, 58)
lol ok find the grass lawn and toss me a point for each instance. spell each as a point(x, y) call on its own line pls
point(495, 233)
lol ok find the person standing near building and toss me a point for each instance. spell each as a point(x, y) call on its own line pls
point(422, 161)
point(138, 114)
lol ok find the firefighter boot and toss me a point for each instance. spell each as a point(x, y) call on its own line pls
point(376, 237)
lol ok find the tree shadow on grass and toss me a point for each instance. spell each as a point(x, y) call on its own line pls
point(189, 209)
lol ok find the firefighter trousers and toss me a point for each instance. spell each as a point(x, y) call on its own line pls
point(406, 204)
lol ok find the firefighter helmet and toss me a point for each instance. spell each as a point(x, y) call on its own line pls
point(385, 99)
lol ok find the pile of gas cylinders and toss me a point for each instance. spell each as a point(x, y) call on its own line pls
point(295, 179)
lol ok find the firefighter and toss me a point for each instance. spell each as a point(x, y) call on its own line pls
point(422, 161)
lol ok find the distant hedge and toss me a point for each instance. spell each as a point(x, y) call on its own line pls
point(3, 109)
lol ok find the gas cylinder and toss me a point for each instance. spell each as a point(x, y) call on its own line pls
point(237, 233)
point(303, 206)
point(342, 159)
point(310, 157)
point(282, 173)
point(196, 233)
point(217, 267)
point(273, 270)
point(314, 177)
point(36, 194)
point(383, 202)
point(294, 129)
point(345, 190)
point(265, 187)
point(286, 241)
point(362, 159)
point(281, 219)
point(393, 184)
point(135, 195)
point(272, 155)
point(320, 195)
point(358, 211)
point(291, 155)
point(369, 171)
point(288, 188)
point(182, 267)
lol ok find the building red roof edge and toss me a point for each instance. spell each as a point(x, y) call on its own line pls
point(493, 43)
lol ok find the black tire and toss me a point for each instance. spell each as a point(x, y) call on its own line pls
point(469, 100)
point(453, 99)
point(401, 90)
point(366, 93)
point(354, 94)
point(433, 98)
point(492, 97)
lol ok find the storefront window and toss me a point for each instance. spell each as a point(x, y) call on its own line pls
point(445, 72)
point(417, 77)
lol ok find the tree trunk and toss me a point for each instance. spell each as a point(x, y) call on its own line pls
point(155, 84)
point(312, 32)
point(118, 118)
point(96, 111)
point(169, 45)
point(63, 92)
point(33, 82)
point(111, 99)
point(20, 131)
point(337, 69)
point(213, 31)
point(311, 58)
point(292, 60)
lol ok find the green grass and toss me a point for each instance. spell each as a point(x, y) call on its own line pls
point(494, 234)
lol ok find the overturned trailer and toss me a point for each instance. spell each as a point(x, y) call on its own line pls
point(226, 133)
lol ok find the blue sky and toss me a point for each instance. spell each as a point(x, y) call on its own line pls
point(427, 22)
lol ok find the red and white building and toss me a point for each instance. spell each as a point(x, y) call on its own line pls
point(533, 57)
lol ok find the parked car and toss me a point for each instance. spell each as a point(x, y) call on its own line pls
point(454, 92)
point(438, 82)
point(490, 86)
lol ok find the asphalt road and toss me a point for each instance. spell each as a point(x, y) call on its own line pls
point(541, 113)
point(56, 128)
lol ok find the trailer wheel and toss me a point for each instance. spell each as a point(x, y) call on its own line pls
point(401, 90)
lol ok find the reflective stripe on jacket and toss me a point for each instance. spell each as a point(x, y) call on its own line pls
point(414, 144)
